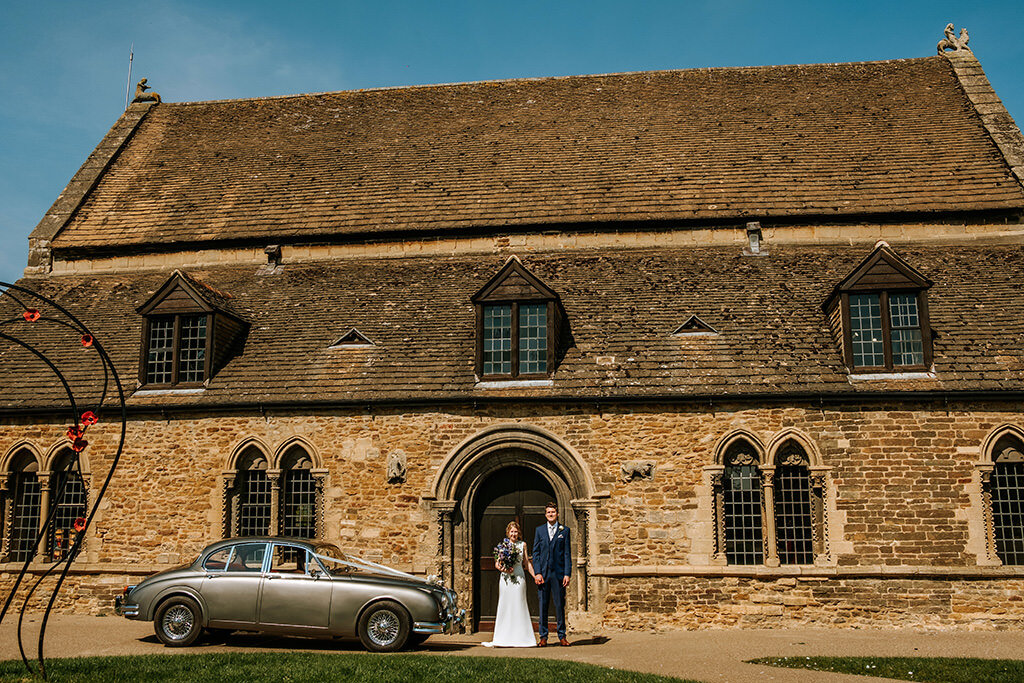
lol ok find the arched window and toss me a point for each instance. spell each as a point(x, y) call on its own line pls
point(741, 505)
point(68, 499)
point(1007, 493)
point(25, 496)
point(251, 495)
point(298, 498)
point(794, 506)
point(768, 509)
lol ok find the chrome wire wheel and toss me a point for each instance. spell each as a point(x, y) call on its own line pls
point(178, 622)
point(383, 627)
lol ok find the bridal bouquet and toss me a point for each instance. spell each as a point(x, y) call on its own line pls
point(507, 555)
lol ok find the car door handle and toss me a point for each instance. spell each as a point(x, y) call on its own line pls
point(212, 576)
point(271, 576)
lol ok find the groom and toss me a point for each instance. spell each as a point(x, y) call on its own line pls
point(552, 564)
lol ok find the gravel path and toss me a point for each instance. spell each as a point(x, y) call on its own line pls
point(712, 655)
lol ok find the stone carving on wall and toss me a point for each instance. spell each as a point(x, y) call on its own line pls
point(952, 42)
point(396, 467)
point(637, 469)
point(142, 96)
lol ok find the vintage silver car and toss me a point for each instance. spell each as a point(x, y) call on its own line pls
point(294, 587)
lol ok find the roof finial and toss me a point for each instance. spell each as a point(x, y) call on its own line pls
point(142, 96)
point(951, 42)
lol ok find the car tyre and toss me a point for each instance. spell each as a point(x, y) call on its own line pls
point(178, 622)
point(384, 627)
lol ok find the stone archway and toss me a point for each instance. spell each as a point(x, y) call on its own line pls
point(454, 499)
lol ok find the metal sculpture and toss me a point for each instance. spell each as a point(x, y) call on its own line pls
point(45, 321)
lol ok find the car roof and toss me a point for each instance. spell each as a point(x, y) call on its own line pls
point(304, 542)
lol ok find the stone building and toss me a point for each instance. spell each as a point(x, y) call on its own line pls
point(757, 331)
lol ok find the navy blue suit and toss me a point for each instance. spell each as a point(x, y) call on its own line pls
point(552, 559)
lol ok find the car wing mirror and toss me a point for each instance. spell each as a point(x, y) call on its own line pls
point(315, 573)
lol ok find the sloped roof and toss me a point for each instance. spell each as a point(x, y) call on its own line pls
point(773, 337)
point(705, 144)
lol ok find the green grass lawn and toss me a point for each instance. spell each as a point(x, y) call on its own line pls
point(294, 667)
point(932, 669)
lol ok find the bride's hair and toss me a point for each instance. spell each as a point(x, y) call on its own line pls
point(510, 527)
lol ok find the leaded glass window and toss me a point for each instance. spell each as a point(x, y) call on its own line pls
point(160, 363)
point(25, 513)
point(533, 338)
point(68, 497)
point(886, 330)
point(497, 340)
point(866, 330)
point(298, 496)
point(192, 349)
point(793, 515)
point(744, 542)
point(907, 347)
point(254, 500)
point(176, 349)
point(1008, 511)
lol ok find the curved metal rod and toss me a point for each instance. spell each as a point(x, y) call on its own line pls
point(74, 410)
point(99, 497)
point(21, 615)
point(108, 370)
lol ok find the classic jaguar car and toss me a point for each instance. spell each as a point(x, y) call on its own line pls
point(293, 587)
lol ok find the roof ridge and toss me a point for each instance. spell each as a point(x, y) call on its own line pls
point(534, 79)
point(997, 121)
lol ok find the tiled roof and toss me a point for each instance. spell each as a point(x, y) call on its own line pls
point(706, 144)
point(772, 334)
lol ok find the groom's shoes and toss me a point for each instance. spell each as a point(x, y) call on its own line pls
point(563, 642)
point(543, 642)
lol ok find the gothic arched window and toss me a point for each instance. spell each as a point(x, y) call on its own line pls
point(794, 506)
point(24, 500)
point(742, 505)
point(68, 501)
point(1007, 492)
point(251, 496)
point(299, 504)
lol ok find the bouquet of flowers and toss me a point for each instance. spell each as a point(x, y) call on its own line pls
point(506, 554)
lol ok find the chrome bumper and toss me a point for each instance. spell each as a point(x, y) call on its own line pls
point(123, 609)
point(452, 622)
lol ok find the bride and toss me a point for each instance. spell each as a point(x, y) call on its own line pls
point(512, 625)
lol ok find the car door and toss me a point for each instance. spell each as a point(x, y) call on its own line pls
point(231, 587)
point(296, 591)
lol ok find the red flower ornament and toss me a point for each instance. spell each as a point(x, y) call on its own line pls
point(74, 433)
point(87, 340)
point(31, 315)
point(79, 444)
point(89, 418)
point(79, 524)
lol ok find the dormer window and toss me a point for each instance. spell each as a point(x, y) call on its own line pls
point(519, 320)
point(189, 331)
point(880, 313)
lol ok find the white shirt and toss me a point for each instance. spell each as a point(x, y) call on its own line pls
point(552, 528)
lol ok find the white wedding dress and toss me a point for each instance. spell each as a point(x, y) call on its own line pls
point(512, 625)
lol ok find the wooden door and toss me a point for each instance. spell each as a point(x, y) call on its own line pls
point(513, 493)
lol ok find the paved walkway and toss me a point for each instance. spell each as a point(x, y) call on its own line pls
point(716, 655)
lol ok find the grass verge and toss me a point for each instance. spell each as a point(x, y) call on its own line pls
point(932, 669)
point(298, 667)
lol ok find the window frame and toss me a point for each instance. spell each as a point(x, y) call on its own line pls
point(175, 350)
point(514, 374)
point(886, 320)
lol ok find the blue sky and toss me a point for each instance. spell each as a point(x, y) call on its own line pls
point(63, 65)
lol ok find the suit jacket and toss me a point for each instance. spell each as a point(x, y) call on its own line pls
point(552, 558)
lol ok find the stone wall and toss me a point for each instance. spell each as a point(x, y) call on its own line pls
point(902, 492)
point(736, 602)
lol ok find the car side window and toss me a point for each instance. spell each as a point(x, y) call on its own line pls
point(218, 561)
point(248, 557)
point(288, 559)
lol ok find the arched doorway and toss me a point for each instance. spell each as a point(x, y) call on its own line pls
point(511, 493)
point(466, 485)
